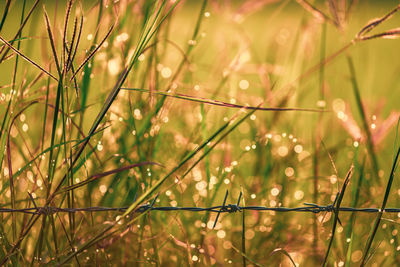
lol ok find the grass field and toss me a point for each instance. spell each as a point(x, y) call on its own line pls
point(115, 112)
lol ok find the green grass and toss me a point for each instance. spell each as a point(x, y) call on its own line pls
point(176, 103)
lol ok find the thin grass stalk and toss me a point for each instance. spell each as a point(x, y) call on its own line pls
point(318, 136)
point(337, 203)
point(12, 93)
point(65, 32)
point(5, 13)
point(243, 228)
point(374, 230)
point(361, 110)
point(355, 197)
point(52, 162)
point(219, 103)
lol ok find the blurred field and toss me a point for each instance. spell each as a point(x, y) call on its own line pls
point(146, 89)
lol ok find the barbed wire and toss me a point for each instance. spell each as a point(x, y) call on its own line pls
point(229, 208)
point(224, 208)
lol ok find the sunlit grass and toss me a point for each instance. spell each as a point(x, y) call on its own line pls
point(121, 104)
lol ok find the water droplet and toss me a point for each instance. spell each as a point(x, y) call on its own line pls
point(166, 72)
point(244, 84)
point(221, 234)
point(274, 191)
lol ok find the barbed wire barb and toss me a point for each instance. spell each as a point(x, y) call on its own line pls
point(229, 208)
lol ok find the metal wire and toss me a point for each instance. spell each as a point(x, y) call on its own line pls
point(228, 208)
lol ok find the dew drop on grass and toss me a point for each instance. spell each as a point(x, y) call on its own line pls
point(321, 103)
point(274, 191)
point(29, 175)
point(201, 185)
point(298, 148)
point(283, 151)
point(137, 114)
point(166, 72)
point(244, 84)
point(289, 171)
point(253, 196)
point(249, 234)
point(99, 147)
point(298, 195)
point(338, 105)
point(103, 188)
point(195, 258)
point(114, 66)
point(342, 116)
point(221, 234)
point(227, 244)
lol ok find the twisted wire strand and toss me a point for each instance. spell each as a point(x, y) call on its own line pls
point(229, 208)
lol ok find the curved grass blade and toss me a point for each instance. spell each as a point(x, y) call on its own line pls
point(103, 174)
point(246, 256)
point(216, 102)
point(284, 252)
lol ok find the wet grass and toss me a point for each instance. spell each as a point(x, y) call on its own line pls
point(137, 104)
